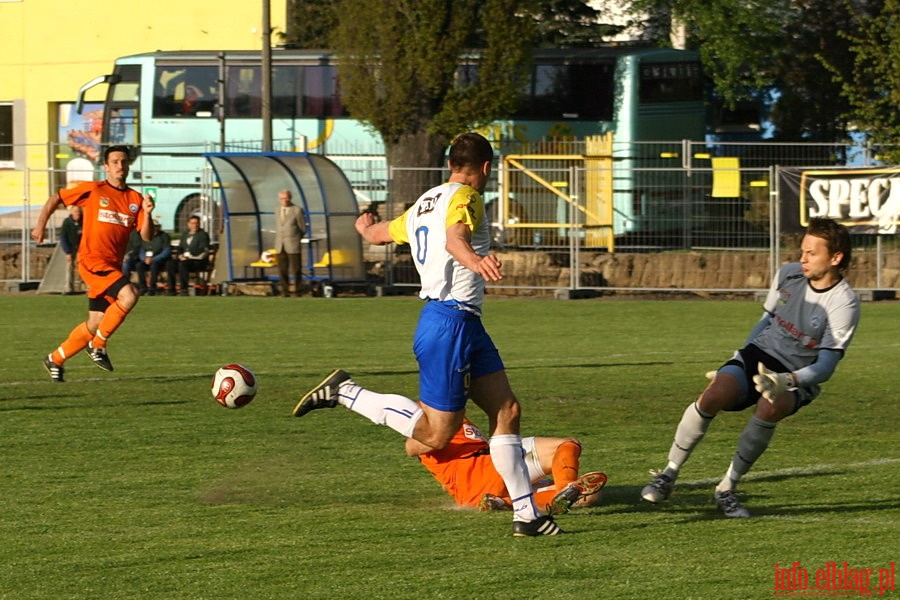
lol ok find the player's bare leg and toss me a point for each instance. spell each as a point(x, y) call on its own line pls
point(493, 394)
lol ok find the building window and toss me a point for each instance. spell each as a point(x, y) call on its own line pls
point(6, 136)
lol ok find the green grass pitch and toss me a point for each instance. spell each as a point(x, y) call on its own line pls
point(136, 484)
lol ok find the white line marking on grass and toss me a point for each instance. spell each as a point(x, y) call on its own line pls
point(808, 470)
point(810, 519)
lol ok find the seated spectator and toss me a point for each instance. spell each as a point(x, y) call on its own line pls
point(193, 255)
point(157, 254)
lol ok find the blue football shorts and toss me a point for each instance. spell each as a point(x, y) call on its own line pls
point(452, 348)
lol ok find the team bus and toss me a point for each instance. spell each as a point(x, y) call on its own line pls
point(171, 107)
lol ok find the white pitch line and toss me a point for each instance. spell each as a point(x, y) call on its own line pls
point(808, 470)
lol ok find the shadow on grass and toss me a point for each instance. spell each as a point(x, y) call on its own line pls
point(547, 365)
point(694, 501)
point(62, 401)
point(47, 402)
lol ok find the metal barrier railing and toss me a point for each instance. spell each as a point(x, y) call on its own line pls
point(668, 199)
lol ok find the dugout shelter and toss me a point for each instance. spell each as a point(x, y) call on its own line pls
point(245, 186)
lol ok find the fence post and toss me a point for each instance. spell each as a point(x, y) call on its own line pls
point(774, 223)
point(574, 240)
point(878, 261)
point(26, 226)
point(502, 199)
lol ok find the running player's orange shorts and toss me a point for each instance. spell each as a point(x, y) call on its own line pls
point(98, 282)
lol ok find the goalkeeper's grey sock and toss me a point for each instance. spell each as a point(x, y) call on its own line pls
point(753, 442)
point(691, 429)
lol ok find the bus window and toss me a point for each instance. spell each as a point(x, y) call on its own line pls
point(243, 92)
point(287, 94)
point(320, 92)
point(122, 126)
point(558, 91)
point(185, 91)
point(125, 91)
point(297, 91)
point(670, 82)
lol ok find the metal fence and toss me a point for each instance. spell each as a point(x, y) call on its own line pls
point(684, 216)
point(655, 217)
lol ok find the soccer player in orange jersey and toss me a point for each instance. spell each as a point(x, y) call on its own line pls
point(110, 210)
point(465, 470)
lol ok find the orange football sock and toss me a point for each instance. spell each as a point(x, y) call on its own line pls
point(565, 464)
point(76, 342)
point(112, 318)
point(544, 496)
point(564, 469)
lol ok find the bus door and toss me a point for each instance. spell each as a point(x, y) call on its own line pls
point(121, 111)
point(121, 118)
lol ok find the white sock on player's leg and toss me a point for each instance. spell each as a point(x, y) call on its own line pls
point(690, 431)
point(393, 410)
point(508, 458)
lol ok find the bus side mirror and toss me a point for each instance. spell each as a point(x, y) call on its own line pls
point(108, 79)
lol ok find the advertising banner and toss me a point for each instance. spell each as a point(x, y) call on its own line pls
point(867, 200)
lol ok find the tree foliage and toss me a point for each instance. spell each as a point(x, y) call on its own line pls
point(398, 71)
point(873, 88)
point(809, 67)
point(797, 48)
point(398, 63)
point(735, 38)
point(568, 24)
point(557, 23)
point(309, 23)
point(828, 62)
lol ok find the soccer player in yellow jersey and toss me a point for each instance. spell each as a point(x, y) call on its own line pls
point(111, 210)
point(449, 239)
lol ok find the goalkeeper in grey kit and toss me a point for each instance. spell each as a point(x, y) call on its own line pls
point(810, 315)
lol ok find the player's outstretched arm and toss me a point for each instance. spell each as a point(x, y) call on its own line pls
point(147, 204)
point(50, 206)
point(377, 233)
point(460, 248)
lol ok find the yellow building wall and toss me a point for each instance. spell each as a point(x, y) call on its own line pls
point(51, 48)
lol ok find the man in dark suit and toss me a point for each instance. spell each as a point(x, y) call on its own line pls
point(193, 255)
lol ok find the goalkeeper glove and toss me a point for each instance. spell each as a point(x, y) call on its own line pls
point(770, 384)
